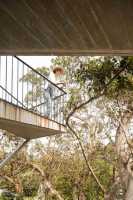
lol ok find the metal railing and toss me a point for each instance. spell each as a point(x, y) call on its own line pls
point(27, 88)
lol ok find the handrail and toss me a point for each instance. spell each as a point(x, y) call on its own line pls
point(37, 72)
point(13, 96)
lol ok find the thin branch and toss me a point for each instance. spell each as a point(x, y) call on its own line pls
point(46, 182)
point(8, 179)
point(87, 162)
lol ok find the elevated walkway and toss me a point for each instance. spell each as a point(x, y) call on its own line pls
point(26, 124)
point(31, 106)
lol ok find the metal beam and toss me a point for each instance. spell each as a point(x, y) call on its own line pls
point(11, 155)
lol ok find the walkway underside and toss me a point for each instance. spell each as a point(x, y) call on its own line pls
point(66, 27)
point(26, 124)
point(26, 131)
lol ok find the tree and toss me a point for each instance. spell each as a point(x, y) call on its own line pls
point(110, 79)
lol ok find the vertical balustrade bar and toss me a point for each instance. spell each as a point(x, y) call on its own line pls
point(32, 98)
point(60, 110)
point(45, 111)
point(63, 106)
point(40, 98)
point(63, 110)
point(22, 84)
point(27, 90)
point(24, 88)
point(6, 80)
point(50, 102)
point(17, 80)
point(12, 79)
point(42, 93)
point(36, 97)
point(57, 109)
point(0, 70)
point(51, 108)
point(54, 110)
point(43, 106)
point(0, 79)
point(36, 91)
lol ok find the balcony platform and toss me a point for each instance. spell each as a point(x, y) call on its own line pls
point(26, 124)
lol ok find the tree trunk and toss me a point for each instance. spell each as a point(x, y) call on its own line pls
point(75, 192)
point(45, 190)
point(121, 140)
point(41, 193)
point(18, 185)
point(82, 196)
point(129, 193)
point(51, 190)
point(123, 153)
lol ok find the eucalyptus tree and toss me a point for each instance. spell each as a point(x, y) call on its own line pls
point(106, 81)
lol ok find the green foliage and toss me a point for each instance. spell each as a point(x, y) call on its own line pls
point(11, 197)
point(30, 184)
point(62, 61)
point(99, 72)
point(64, 185)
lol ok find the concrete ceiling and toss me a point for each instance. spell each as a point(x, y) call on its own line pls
point(66, 27)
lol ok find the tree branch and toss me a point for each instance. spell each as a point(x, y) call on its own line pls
point(46, 182)
point(75, 134)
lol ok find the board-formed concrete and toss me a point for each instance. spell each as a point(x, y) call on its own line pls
point(69, 27)
point(26, 124)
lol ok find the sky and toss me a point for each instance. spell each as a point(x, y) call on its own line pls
point(37, 61)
